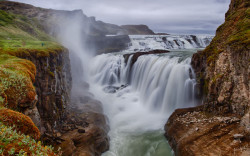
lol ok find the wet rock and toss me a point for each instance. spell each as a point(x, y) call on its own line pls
point(81, 131)
point(138, 54)
point(110, 89)
point(238, 136)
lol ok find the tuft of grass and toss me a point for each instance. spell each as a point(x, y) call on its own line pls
point(6, 18)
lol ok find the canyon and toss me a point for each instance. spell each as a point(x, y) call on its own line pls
point(94, 88)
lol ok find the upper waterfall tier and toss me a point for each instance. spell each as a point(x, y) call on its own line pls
point(150, 42)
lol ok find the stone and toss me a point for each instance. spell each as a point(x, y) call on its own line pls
point(81, 131)
point(238, 136)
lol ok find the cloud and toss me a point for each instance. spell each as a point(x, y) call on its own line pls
point(171, 16)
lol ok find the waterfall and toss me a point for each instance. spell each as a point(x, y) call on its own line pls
point(163, 83)
point(149, 42)
point(138, 96)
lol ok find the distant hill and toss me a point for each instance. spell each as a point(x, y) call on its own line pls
point(138, 29)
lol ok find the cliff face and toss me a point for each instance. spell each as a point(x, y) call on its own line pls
point(221, 125)
point(138, 30)
point(35, 79)
point(223, 67)
point(53, 86)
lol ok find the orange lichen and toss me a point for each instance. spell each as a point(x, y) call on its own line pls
point(20, 122)
point(16, 82)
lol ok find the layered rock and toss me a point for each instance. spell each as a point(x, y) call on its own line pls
point(194, 131)
point(223, 67)
point(221, 125)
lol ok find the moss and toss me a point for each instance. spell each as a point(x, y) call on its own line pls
point(16, 81)
point(51, 73)
point(234, 33)
point(21, 122)
point(215, 78)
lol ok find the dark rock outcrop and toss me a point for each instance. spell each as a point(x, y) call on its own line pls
point(53, 86)
point(136, 55)
point(108, 44)
point(138, 29)
point(222, 71)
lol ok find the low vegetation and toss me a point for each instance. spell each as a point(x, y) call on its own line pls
point(16, 81)
point(21, 37)
point(13, 143)
point(234, 33)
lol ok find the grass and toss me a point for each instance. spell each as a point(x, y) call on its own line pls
point(19, 34)
point(235, 33)
point(23, 37)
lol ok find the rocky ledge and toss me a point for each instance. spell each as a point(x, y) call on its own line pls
point(196, 132)
point(84, 132)
point(136, 55)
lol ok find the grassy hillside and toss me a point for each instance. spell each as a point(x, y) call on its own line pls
point(20, 37)
point(19, 33)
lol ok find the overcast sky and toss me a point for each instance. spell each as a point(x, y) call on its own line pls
point(170, 16)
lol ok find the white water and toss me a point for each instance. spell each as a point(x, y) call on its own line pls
point(149, 42)
point(156, 86)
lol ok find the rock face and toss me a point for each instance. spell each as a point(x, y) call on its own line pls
point(53, 86)
point(222, 71)
point(75, 123)
point(138, 30)
point(195, 132)
point(223, 67)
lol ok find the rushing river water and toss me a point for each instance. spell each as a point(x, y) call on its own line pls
point(139, 98)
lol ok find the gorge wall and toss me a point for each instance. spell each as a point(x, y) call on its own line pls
point(221, 125)
point(36, 80)
point(53, 87)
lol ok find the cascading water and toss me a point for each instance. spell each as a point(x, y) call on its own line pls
point(138, 98)
point(148, 42)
